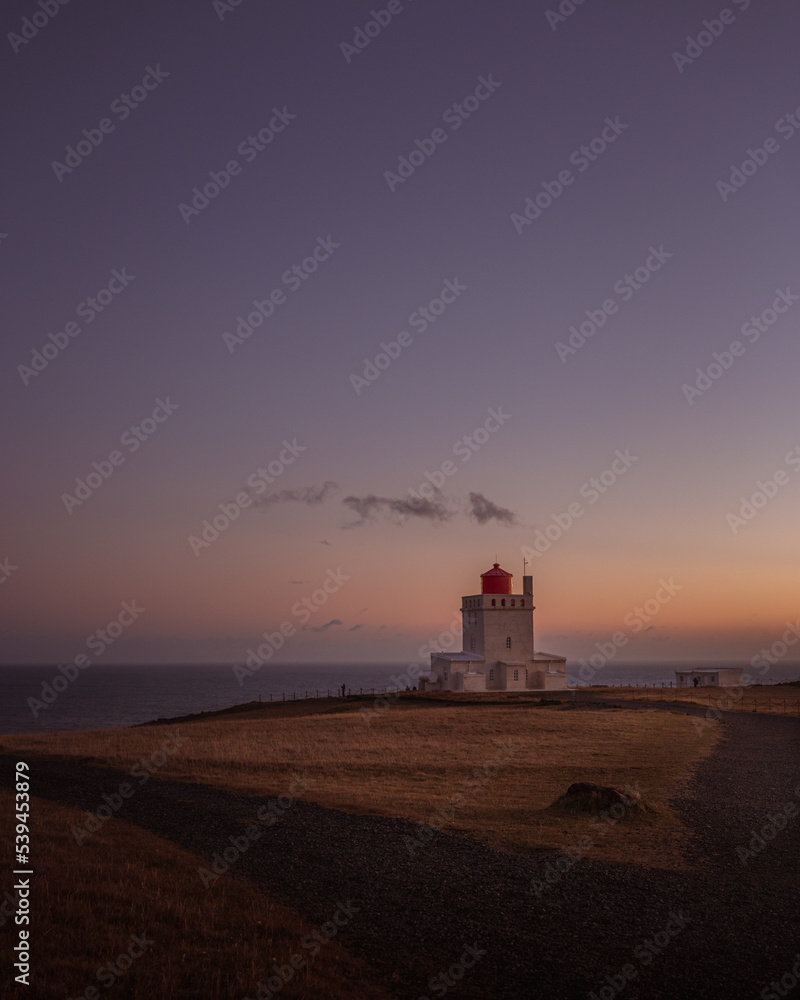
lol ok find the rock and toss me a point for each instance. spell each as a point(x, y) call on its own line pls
point(588, 795)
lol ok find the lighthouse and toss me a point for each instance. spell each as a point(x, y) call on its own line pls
point(499, 652)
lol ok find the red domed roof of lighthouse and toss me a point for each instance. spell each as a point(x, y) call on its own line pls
point(496, 581)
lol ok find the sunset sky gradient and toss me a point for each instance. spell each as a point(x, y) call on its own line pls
point(492, 348)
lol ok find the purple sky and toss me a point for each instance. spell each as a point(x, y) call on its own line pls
point(717, 257)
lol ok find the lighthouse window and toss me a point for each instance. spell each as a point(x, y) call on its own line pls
point(494, 603)
point(512, 603)
point(502, 602)
point(472, 643)
point(491, 675)
point(508, 642)
point(522, 603)
point(516, 675)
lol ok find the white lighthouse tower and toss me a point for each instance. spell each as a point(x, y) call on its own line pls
point(498, 653)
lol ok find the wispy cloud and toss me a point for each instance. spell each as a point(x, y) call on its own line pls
point(436, 509)
point(484, 511)
point(354, 627)
point(311, 495)
point(367, 508)
point(327, 625)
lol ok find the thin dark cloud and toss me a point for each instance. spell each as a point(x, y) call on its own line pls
point(483, 511)
point(354, 627)
point(327, 625)
point(325, 542)
point(369, 507)
point(310, 495)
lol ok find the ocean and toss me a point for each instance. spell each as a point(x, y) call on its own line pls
point(109, 695)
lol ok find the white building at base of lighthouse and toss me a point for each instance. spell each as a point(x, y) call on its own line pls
point(498, 653)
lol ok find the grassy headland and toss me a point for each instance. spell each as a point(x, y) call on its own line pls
point(487, 769)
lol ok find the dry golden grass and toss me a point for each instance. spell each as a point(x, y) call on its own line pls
point(772, 699)
point(412, 760)
point(208, 944)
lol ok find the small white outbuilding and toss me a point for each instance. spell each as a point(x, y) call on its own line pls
point(710, 677)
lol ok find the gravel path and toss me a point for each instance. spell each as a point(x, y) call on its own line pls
point(735, 925)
